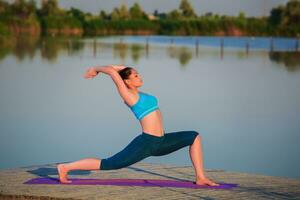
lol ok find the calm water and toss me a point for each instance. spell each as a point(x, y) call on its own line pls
point(244, 102)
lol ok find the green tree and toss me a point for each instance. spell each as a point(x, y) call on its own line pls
point(23, 9)
point(32, 6)
point(186, 9)
point(241, 20)
point(174, 15)
point(136, 12)
point(103, 15)
point(78, 14)
point(115, 14)
point(123, 12)
point(242, 16)
point(3, 6)
point(284, 20)
point(276, 16)
point(292, 13)
point(50, 7)
point(286, 15)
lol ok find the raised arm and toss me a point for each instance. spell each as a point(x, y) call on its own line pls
point(112, 71)
point(117, 67)
point(93, 71)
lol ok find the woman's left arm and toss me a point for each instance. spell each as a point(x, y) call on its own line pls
point(117, 67)
point(93, 71)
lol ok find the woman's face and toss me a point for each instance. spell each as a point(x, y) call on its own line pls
point(135, 79)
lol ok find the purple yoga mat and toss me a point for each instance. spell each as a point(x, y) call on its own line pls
point(129, 182)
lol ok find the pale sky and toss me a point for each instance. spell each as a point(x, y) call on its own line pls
point(221, 7)
point(228, 7)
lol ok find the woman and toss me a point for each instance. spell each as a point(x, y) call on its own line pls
point(153, 141)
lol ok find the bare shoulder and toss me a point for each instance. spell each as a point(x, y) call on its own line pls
point(132, 99)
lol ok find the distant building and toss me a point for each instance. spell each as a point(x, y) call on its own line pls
point(151, 17)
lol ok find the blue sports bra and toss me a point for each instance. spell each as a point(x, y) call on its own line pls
point(145, 105)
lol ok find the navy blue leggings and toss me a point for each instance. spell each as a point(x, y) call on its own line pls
point(145, 145)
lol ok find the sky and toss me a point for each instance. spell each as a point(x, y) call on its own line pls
point(221, 7)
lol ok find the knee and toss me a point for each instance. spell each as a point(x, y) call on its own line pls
point(197, 134)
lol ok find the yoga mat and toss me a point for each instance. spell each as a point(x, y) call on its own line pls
point(129, 182)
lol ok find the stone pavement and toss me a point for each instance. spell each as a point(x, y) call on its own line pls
point(251, 186)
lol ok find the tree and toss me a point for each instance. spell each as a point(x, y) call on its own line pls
point(241, 20)
point(242, 16)
point(3, 6)
point(115, 14)
point(103, 15)
point(49, 7)
point(286, 15)
point(292, 13)
point(186, 9)
point(174, 14)
point(123, 12)
point(23, 9)
point(276, 16)
point(136, 12)
point(74, 12)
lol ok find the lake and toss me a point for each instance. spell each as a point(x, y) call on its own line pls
point(241, 94)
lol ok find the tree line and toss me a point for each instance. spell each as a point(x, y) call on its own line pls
point(23, 17)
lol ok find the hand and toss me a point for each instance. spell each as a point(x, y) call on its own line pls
point(90, 73)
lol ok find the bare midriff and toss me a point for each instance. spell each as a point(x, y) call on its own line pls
point(153, 123)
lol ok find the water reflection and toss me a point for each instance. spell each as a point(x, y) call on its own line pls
point(51, 48)
point(120, 50)
point(291, 60)
point(183, 54)
point(6, 46)
point(19, 47)
point(136, 52)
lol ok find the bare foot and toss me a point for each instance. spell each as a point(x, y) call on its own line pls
point(206, 181)
point(62, 172)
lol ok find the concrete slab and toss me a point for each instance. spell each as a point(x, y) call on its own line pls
point(251, 186)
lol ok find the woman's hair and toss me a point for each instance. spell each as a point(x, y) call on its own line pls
point(125, 73)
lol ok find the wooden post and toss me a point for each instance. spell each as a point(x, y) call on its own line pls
point(69, 47)
point(271, 45)
point(297, 44)
point(197, 46)
point(222, 48)
point(95, 47)
point(147, 47)
point(247, 46)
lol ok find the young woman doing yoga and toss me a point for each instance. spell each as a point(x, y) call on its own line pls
point(153, 141)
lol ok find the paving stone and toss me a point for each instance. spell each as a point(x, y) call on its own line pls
point(251, 186)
